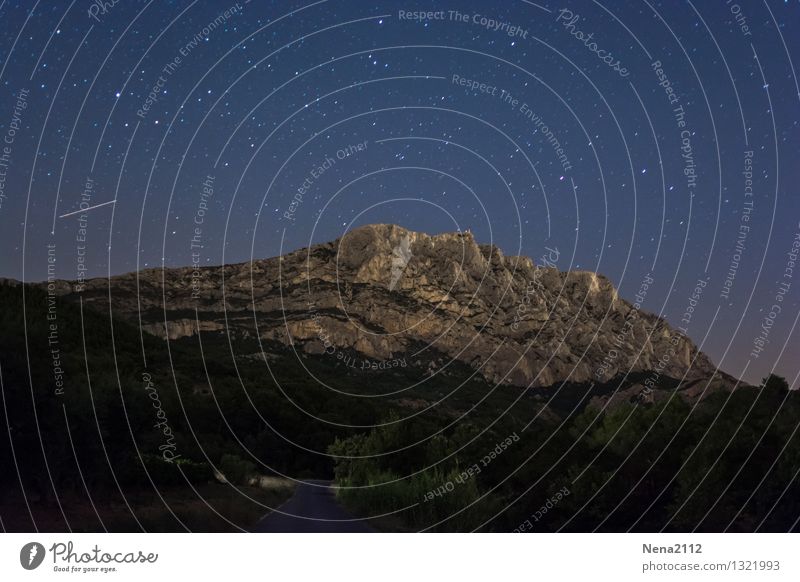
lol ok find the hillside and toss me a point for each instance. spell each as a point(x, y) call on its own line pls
point(383, 296)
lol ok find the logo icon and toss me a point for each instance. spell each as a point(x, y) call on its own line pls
point(31, 555)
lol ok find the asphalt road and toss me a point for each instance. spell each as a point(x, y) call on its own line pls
point(312, 508)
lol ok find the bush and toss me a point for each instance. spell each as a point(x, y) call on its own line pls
point(236, 469)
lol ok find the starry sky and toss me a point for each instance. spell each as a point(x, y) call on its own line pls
point(635, 138)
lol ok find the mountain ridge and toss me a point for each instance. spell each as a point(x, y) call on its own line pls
point(383, 293)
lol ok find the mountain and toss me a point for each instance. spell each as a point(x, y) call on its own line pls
point(102, 409)
point(382, 297)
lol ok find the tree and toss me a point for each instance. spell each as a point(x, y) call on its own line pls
point(775, 382)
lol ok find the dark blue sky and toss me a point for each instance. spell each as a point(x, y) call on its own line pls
point(508, 119)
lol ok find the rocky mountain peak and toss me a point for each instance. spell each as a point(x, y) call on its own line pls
point(381, 253)
point(386, 293)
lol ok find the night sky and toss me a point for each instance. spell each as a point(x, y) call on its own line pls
point(635, 138)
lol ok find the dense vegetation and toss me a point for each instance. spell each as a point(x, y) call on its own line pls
point(99, 455)
point(730, 463)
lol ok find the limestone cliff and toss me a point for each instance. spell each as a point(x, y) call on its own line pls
point(384, 292)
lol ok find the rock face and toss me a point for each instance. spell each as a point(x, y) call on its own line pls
point(389, 294)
